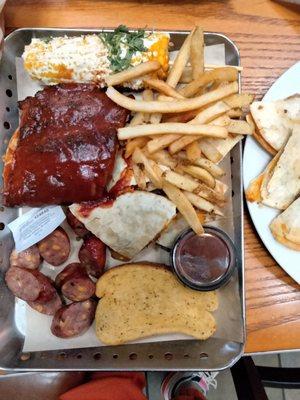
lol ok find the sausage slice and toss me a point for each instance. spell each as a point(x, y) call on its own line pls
point(92, 255)
point(29, 285)
point(74, 282)
point(29, 258)
point(48, 308)
point(55, 248)
point(77, 226)
point(73, 319)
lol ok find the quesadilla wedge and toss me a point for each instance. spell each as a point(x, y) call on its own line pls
point(286, 227)
point(128, 223)
point(257, 185)
point(274, 121)
point(281, 182)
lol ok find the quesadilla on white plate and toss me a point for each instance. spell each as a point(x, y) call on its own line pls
point(286, 227)
point(281, 183)
point(274, 121)
point(131, 222)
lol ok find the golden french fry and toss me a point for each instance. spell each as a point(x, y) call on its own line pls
point(203, 115)
point(199, 202)
point(155, 118)
point(229, 74)
point(199, 173)
point(163, 157)
point(167, 128)
point(214, 169)
point(147, 96)
point(209, 150)
point(239, 127)
point(186, 76)
point(163, 97)
point(132, 73)
point(223, 120)
point(139, 177)
point(173, 106)
point(217, 211)
point(151, 171)
point(193, 151)
point(223, 146)
point(239, 100)
point(133, 144)
point(160, 143)
point(180, 61)
point(137, 119)
point(184, 207)
point(210, 194)
point(197, 53)
point(163, 87)
point(181, 143)
point(212, 66)
point(221, 187)
point(181, 181)
point(206, 115)
point(210, 113)
point(235, 113)
point(182, 117)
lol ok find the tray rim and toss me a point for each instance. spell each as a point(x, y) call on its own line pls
point(237, 148)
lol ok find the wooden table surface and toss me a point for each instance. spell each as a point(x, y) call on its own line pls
point(267, 34)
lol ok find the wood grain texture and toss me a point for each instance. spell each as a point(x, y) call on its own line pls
point(267, 34)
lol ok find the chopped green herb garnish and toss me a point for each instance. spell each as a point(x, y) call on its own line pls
point(122, 40)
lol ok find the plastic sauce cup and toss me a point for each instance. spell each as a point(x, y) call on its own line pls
point(203, 262)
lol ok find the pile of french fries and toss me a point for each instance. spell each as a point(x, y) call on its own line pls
point(183, 127)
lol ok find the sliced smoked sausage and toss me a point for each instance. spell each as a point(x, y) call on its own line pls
point(29, 258)
point(92, 255)
point(77, 226)
point(55, 248)
point(74, 282)
point(29, 285)
point(67, 272)
point(48, 308)
point(73, 319)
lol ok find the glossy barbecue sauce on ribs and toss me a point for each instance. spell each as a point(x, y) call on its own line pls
point(123, 185)
point(66, 148)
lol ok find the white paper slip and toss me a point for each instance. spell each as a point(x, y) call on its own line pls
point(34, 225)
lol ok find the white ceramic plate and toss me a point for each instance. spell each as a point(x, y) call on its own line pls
point(255, 161)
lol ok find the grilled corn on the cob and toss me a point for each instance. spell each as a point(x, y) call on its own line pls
point(90, 58)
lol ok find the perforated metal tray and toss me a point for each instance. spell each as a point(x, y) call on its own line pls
point(212, 354)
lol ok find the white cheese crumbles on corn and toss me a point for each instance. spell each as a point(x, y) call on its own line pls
point(90, 58)
point(65, 59)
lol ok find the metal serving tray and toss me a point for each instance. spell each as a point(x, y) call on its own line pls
point(211, 354)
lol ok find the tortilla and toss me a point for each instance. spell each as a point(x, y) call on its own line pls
point(286, 227)
point(274, 120)
point(131, 222)
point(281, 184)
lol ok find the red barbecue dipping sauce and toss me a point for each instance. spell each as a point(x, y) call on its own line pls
point(203, 262)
